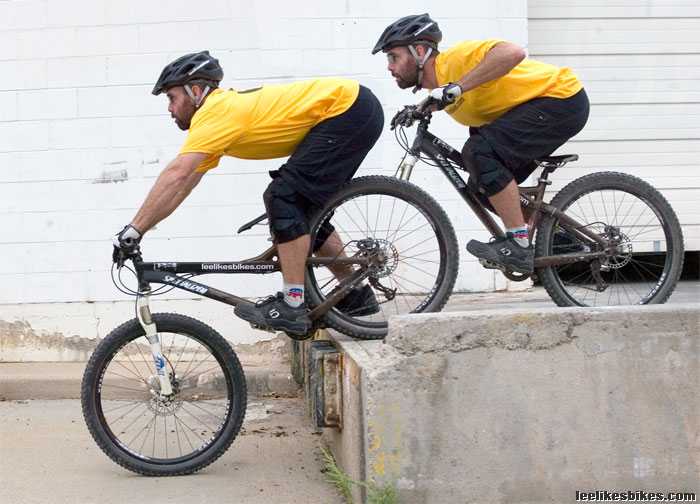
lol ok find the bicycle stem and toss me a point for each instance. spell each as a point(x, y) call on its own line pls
point(143, 311)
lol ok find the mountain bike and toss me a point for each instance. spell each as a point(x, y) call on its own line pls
point(165, 394)
point(605, 239)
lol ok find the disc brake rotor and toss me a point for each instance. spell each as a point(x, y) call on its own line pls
point(390, 258)
point(622, 242)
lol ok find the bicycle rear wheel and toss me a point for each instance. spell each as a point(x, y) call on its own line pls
point(412, 232)
point(636, 220)
point(155, 437)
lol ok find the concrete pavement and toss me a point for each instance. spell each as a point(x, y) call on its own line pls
point(61, 380)
point(48, 456)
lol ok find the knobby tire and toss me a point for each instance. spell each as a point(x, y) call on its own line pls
point(625, 210)
point(144, 435)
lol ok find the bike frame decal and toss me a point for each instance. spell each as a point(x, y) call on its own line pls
point(446, 158)
point(226, 267)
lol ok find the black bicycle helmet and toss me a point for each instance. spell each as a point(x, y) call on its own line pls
point(408, 30)
point(189, 67)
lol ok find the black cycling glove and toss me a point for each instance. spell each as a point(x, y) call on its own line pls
point(125, 242)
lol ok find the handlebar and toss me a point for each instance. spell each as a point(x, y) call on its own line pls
point(119, 257)
point(410, 113)
point(427, 102)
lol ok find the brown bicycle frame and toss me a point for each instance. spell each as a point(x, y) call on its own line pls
point(448, 160)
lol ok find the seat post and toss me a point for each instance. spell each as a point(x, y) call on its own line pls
point(544, 176)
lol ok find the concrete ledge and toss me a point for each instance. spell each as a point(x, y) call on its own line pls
point(531, 406)
point(540, 329)
point(61, 380)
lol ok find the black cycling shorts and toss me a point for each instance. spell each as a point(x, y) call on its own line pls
point(292, 213)
point(504, 150)
point(327, 157)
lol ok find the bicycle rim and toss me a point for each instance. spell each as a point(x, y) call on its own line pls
point(164, 433)
point(642, 225)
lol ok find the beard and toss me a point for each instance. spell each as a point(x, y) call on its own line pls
point(184, 126)
point(184, 119)
point(409, 78)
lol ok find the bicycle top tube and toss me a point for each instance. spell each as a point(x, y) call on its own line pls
point(179, 274)
point(267, 262)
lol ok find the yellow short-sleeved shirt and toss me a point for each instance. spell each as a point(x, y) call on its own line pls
point(265, 123)
point(529, 79)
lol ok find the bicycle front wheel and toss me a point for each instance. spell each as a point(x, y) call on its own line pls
point(643, 236)
point(157, 436)
point(417, 243)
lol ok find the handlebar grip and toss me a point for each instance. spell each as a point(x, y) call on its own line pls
point(427, 102)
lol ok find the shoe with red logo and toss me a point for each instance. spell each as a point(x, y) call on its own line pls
point(274, 313)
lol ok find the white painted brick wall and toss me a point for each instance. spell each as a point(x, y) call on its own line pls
point(75, 72)
point(75, 108)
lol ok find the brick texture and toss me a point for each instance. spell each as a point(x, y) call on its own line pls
point(82, 139)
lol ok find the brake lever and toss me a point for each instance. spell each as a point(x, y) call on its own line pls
point(404, 117)
point(119, 256)
point(410, 113)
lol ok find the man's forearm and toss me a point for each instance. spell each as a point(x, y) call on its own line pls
point(171, 188)
point(500, 60)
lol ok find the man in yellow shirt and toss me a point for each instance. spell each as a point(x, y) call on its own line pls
point(326, 126)
point(517, 110)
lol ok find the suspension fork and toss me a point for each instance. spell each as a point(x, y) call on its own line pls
point(143, 312)
point(406, 166)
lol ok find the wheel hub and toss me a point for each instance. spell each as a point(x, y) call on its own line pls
point(388, 258)
point(621, 249)
point(162, 405)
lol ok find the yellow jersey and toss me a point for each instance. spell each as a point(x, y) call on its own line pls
point(529, 79)
point(265, 123)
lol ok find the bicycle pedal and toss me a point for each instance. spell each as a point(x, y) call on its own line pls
point(491, 265)
point(261, 328)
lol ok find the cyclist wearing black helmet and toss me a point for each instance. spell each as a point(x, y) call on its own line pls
point(326, 126)
point(517, 110)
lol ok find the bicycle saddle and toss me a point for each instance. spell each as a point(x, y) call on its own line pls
point(248, 225)
point(552, 162)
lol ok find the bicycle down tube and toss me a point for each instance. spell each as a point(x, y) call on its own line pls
point(441, 153)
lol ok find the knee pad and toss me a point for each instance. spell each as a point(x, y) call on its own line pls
point(287, 212)
point(485, 166)
point(323, 233)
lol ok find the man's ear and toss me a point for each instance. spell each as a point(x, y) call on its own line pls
point(197, 91)
point(420, 51)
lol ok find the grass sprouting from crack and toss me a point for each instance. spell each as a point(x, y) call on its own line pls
point(385, 494)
